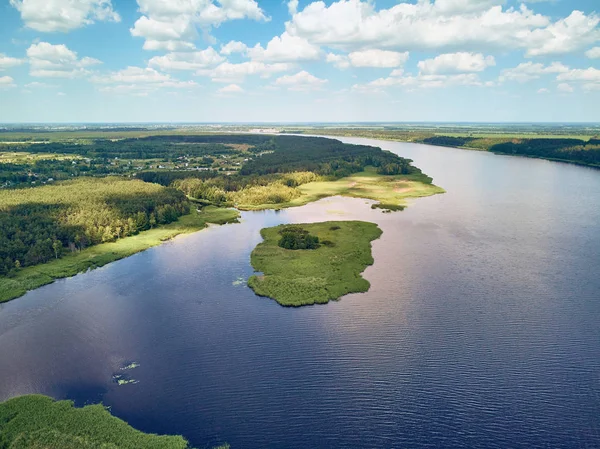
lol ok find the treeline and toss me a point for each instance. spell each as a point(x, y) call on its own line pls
point(448, 141)
point(39, 224)
point(564, 149)
point(129, 149)
point(323, 156)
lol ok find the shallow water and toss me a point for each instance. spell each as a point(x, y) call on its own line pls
point(480, 328)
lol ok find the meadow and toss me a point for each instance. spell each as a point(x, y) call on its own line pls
point(314, 276)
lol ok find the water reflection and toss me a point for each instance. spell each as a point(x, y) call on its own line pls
point(480, 329)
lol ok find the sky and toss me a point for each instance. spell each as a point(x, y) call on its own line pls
point(299, 61)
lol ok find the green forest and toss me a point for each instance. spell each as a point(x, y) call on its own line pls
point(39, 422)
point(61, 197)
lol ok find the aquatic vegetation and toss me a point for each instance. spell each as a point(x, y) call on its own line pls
point(309, 276)
point(239, 281)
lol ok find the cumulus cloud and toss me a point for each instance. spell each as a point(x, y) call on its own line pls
point(564, 87)
point(293, 7)
point(7, 82)
point(461, 62)
point(233, 47)
point(285, 48)
point(589, 78)
point(187, 60)
point(236, 73)
point(230, 89)
point(173, 25)
point(471, 25)
point(6, 62)
point(528, 71)
point(57, 61)
point(593, 53)
point(566, 35)
point(301, 81)
point(138, 81)
point(368, 58)
point(377, 58)
point(63, 15)
point(420, 81)
point(543, 91)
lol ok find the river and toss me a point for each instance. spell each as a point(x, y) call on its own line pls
point(481, 328)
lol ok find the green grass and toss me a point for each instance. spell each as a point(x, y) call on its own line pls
point(38, 422)
point(96, 256)
point(304, 277)
point(392, 190)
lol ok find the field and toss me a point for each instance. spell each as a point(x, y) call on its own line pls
point(387, 190)
point(96, 256)
point(314, 276)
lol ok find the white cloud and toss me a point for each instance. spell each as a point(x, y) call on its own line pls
point(593, 53)
point(301, 81)
point(63, 15)
point(543, 91)
point(7, 82)
point(230, 89)
point(340, 61)
point(461, 62)
point(589, 78)
point(564, 87)
point(6, 62)
point(528, 71)
point(420, 81)
point(566, 35)
point(61, 94)
point(138, 81)
point(233, 47)
point(377, 58)
point(37, 84)
point(57, 61)
point(173, 25)
point(293, 7)
point(285, 48)
point(471, 25)
point(236, 73)
point(187, 60)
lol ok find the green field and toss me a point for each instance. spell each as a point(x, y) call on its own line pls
point(392, 190)
point(17, 284)
point(315, 276)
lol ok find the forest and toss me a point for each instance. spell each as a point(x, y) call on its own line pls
point(39, 224)
point(98, 199)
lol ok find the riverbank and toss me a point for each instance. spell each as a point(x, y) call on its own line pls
point(314, 276)
point(30, 278)
point(388, 190)
point(36, 421)
point(576, 149)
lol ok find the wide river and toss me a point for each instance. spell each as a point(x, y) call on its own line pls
point(481, 328)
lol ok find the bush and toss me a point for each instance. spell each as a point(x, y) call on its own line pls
point(294, 237)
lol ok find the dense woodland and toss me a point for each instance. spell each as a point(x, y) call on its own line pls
point(39, 223)
point(564, 149)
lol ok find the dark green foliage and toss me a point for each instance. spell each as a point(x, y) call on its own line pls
point(334, 228)
point(563, 149)
point(323, 156)
point(448, 141)
point(37, 225)
point(294, 238)
point(38, 422)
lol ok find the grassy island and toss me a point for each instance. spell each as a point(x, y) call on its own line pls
point(39, 422)
point(316, 275)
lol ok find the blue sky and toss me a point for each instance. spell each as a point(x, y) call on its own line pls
point(299, 60)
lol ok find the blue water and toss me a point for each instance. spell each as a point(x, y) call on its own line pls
point(481, 328)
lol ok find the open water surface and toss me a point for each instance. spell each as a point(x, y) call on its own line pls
point(481, 328)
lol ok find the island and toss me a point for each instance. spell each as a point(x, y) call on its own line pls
point(36, 421)
point(79, 201)
point(305, 264)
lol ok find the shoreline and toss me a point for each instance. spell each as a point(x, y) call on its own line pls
point(31, 278)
